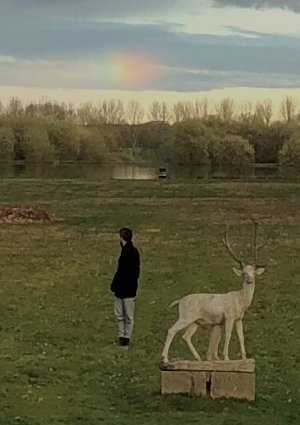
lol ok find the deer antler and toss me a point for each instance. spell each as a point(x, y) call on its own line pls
point(229, 249)
point(257, 248)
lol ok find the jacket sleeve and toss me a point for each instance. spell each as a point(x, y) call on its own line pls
point(114, 282)
point(136, 265)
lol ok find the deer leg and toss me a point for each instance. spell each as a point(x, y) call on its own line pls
point(187, 336)
point(179, 326)
point(240, 334)
point(214, 341)
point(228, 331)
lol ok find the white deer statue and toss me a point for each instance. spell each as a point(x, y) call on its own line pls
point(217, 309)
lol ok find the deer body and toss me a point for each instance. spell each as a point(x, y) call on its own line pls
point(216, 309)
point(213, 309)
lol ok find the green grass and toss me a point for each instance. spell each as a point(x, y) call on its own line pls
point(58, 360)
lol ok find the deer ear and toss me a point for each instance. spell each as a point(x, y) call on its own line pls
point(237, 271)
point(259, 271)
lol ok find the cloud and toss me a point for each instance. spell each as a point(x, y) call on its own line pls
point(82, 9)
point(293, 5)
point(48, 74)
point(7, 59)
point(190, 62)
point(51, 44)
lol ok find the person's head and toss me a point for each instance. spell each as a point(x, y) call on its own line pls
point(125, 235)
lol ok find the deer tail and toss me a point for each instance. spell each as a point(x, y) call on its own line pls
point(174, 303)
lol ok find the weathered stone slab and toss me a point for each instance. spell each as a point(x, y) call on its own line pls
point(183, 382)
point(247, 365)
point(210, 378)
point(176, 382)
point(233, 384)
point(199, 380)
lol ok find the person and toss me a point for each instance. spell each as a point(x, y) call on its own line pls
point(124, 286)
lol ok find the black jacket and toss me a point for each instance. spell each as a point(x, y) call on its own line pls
point(125, 281)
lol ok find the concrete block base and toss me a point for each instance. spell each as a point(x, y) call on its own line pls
point(216, 379)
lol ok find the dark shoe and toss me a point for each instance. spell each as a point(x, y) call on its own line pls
point(121, 342)
point(126, 342)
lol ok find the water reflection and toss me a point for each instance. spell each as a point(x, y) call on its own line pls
point(131, 172)
point(79, 171)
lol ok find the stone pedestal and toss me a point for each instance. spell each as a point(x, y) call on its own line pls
point(216, 379)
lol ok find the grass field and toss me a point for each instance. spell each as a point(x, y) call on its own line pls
point(59, 363)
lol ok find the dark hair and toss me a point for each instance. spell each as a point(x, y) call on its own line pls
point(126, 234)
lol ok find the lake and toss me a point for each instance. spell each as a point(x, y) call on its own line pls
point(132, 172)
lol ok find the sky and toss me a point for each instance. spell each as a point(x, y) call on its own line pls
point(81, 49)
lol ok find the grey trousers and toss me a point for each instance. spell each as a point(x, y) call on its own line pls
point(124, 315)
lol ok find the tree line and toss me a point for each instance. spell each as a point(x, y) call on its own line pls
point(225, 133)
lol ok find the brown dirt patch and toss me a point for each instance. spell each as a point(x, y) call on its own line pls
point(19, 214)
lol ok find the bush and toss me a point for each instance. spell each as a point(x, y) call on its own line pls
point(231, 151)
point(64, 137)
point(32, 142)
point(37, 147)
point(7, 141)
point(289, 156)
point(190, 143)
point(289, 159)
point(92, 146)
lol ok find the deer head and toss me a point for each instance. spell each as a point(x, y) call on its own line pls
point(246, 270)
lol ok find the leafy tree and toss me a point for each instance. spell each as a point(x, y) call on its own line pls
point(153, 139)
point(289, 155)
point(232, 151)
point(37, 147)
point(64, 137)
point(32, 142)
point(92, 146)
point(190, 142)
point(7, 141)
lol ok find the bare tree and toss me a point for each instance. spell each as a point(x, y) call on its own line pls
point(288, 108)
point(2, 108)
point(70, 112)
point(202, 108)
point(226, 109)
point(86, 113)
point(32, 110)
point(134, 115)
point(52, 110)
point(134, 112)
point(245, 111)
point(15, 107)
point(112, 111)
point(183, 111)
point(165, 114)
point(264, 111)
point(158, 112)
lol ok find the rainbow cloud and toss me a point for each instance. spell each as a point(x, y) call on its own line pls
point(131, 70)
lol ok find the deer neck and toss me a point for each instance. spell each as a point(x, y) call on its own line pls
point(247, 293)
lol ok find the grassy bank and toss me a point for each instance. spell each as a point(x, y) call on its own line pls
point(58, 360)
